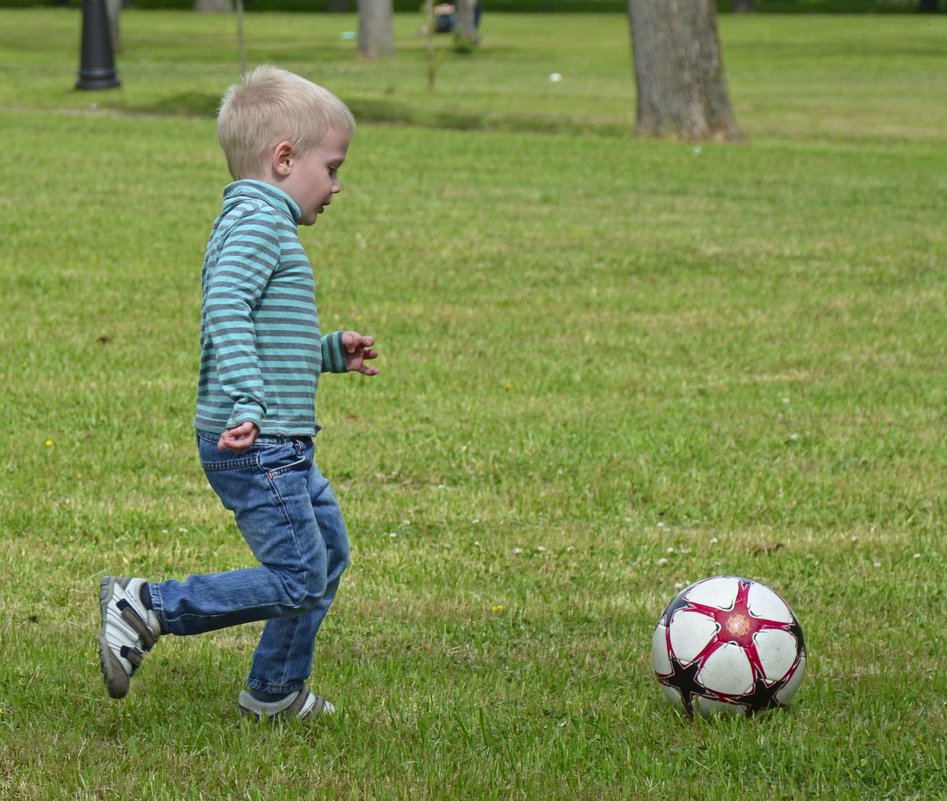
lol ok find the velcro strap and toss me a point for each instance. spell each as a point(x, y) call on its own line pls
point(133, 619)
point(308, 703)
point(133, 655)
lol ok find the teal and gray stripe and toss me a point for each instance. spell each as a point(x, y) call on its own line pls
point(261, 350)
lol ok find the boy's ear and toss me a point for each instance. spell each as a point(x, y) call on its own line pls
point(283, 159)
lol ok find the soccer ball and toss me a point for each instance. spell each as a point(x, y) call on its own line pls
point(728, 644)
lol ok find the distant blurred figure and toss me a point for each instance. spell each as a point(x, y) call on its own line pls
point(445, 17)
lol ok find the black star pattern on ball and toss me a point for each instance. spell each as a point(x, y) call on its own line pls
point(761, 697)
point(679, 602)
point(684, 679)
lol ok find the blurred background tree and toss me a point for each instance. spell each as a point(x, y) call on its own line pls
point(681, 87)
point(374, 29)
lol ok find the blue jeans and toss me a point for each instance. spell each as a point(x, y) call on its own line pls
point(286, 512)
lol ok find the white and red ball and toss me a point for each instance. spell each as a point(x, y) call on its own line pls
point(728, 644)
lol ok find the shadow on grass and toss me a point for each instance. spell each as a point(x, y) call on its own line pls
point(382, 112)
point(391, 113)
point(386, 112)
point(190, 104)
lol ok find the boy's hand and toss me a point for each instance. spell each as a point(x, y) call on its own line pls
point(358, 350)
point(239, 438)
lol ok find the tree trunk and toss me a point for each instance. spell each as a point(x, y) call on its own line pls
point(338, 6)
point(241, 47)
point(743, 6)
point(374, 28)
point(114, 9)
point(429, 44)
point(679, 74)
point(467, 22)
point(214, 6)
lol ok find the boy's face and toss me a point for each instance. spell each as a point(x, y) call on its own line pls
point(314, 178)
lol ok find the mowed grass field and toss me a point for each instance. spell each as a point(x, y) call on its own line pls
point(610, 367)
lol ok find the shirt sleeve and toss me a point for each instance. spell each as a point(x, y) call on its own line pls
point(247, 259)
point(333, 359)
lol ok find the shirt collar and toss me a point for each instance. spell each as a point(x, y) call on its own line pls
point(260, 190)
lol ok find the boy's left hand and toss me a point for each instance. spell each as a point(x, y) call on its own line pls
point(358, 350)
point(238, 438)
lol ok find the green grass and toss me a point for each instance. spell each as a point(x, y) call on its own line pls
point(610, 366)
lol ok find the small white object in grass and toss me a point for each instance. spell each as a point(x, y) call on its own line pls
point(555, 77)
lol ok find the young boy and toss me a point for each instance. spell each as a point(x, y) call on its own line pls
point(261, 356)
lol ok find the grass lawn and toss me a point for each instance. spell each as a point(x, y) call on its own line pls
point(611, 366)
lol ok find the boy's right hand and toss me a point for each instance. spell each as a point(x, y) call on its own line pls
point(239, 438)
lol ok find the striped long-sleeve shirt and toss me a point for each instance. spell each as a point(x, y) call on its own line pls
point(261, 352)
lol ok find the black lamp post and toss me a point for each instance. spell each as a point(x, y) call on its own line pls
point(97, 68)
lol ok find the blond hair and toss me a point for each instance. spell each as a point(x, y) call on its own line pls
point(272, 106)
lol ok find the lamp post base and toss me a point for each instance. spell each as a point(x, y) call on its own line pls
point(97, 64)
point(97, 79)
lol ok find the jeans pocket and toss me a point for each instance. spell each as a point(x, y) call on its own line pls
point(213, 460)
point(277, 459)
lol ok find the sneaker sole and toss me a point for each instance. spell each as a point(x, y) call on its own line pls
point(116, 679)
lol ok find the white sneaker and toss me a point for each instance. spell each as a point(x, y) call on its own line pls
point(302, 704)
point(128, 630)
